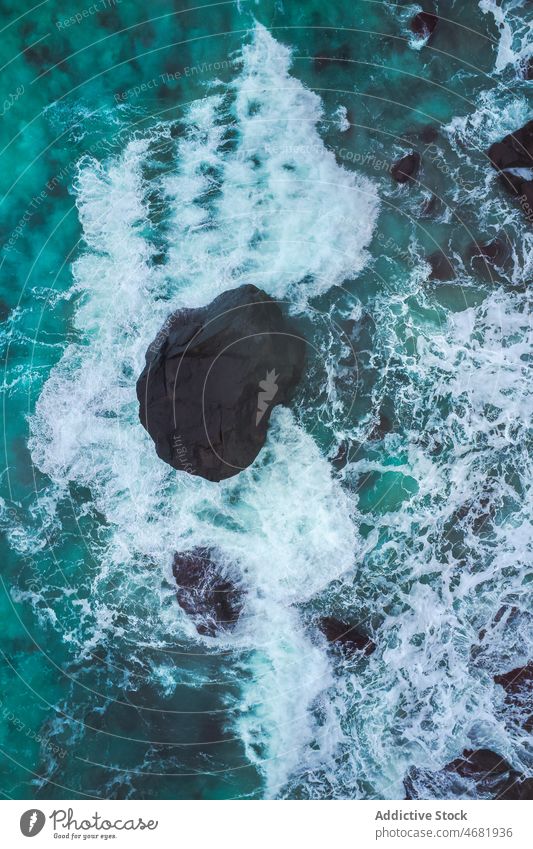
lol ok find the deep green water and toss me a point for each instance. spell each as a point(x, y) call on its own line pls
point(106, 690)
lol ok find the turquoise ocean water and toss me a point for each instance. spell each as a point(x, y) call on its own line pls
point(154, 156)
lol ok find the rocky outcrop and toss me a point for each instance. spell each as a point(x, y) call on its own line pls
point(430, 206)
point(441, 267)
point(478, 773)
point(406, 168)
point(495, 253)
point(492, 774)
point(424, 24)
point(513, 159)
point(206, 592)
point(518, 686)
point(212, 378)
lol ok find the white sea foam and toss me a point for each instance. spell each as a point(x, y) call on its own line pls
point(515, 43)
point(287, 216)
point(470, 389)
point(498, 114)
point(341, 118)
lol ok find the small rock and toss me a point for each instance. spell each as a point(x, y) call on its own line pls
point(206, 592)
point(406, 168)
point(512, 157)
point(496, 252)
point(441, 266)
point(423, 24)
point(347, 637)
point(383, 426)
point(430, 207)
point(341, 457)
point(518, 686)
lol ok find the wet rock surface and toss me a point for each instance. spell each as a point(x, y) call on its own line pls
point(206, 592)
point(212, 378)
point(518, 686)
point(513, 159)
point(424, 24)
point(478, 773)
point(406, 168)
point(347, 637)
point(441, 267)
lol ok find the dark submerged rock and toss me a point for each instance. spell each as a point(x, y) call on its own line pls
point(441, 266)
point(518, 686)
point(430, 207)
point(40, 56)
point(429, 134)
point(328, 57)
point(406, 168)
point(424, 24)
point(206, 592)
point(382, 427)
point(495, 253)
point(211, 379)
point(477, 513)
point(348, 637)
point(341, 457)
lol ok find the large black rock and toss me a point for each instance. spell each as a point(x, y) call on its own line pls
point(211, 379)
point(406, 168)
point(513, 158)
point(424, 24)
